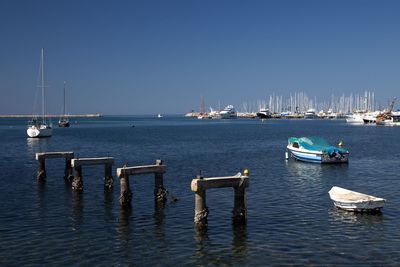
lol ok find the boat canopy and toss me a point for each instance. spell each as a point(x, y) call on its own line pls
point(314, 143)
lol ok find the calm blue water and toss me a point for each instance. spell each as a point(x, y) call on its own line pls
point(291, 220)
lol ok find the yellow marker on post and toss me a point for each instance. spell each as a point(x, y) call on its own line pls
point(340, 144)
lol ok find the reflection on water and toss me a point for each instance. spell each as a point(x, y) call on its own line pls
point(339, 215)
point(108, 204)
point(77, 209)
point(123, 229)
point(304, 169)
point(205, 253)
point(40, 205)
point(36, 145)
point(239, 242)
point(315, 171)
point(159, 217)
point(201, 238)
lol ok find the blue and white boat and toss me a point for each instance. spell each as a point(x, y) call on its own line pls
point(316, 150)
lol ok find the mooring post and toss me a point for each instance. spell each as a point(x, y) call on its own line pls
point(201, 210)
point(125, 198)
point(68, 170)
point(239, 212)
point(77, 183)
point(108, 179)
point(238, 182)
point(41, 173)
point(160, 193)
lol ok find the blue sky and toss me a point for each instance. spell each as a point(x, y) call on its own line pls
point(149, 57)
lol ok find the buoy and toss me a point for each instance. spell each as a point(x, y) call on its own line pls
point(246, 172)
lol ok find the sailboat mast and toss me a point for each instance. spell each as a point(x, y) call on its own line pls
point(42, 80)
point(64, 100)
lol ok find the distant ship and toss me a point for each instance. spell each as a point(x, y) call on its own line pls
point(264, 113)
point(310, 114)
point(228, 112)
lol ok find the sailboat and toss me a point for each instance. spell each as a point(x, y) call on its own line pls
point(37, 128)
point(63, 121)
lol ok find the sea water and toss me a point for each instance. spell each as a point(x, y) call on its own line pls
point(290, 217)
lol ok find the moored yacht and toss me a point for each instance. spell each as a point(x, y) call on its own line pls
point(310, 114)
point(228, 112)
point(264, 113)
point(391, 119)
point(356, 117)
point(370, 117)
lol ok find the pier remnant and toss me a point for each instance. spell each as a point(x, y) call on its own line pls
point(77, 183)
point(238, 182)
point(158, 169)
point(41, 158)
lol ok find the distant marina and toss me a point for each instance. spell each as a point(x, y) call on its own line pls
point(355, 108)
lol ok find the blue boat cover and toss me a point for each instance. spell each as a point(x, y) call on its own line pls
point(314, 143)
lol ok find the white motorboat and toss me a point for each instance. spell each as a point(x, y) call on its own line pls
point(391, 119)
point(310, 114)
point(264, 113)
point(228, 112)
point(356, 117)
point(354, 201)
point(41, 128)
point(370, 117)
point(316, 150)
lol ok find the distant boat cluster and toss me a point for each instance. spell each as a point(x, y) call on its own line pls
point(358, 108)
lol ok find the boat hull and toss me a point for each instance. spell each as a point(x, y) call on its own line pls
point(354, 201)
point(317, 156)
point(35, 132)
point(263, 115)
point(365, 206)
point(63, 124)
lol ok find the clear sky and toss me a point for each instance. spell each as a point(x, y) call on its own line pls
point(149, 57)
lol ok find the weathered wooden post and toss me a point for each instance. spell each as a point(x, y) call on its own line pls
point(126, 193)
point(68, 170)
point(77, 182)
point(123, 173)
point(41, 158)
point(200, 210)
point(108, 179)
point(160, 194)
point(238, 182)
point(41, 173)
point(239, 212)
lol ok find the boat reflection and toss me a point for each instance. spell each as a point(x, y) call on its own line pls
point(36, 145)
point(338, 215)
point(312, 171)
point(304, 170)
point(239, 241)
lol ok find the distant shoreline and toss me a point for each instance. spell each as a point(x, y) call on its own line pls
point(96, 115)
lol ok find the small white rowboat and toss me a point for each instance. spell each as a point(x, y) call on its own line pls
point(354, 201)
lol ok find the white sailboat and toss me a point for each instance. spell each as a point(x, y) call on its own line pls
point(37, 128)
